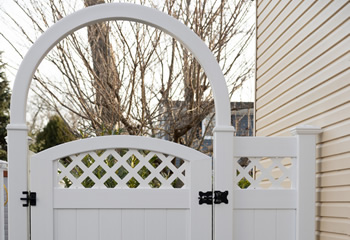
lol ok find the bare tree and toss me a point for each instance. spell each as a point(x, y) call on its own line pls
point(128, 76)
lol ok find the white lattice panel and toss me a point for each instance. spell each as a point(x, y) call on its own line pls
point(264, 173)
point(121, 168)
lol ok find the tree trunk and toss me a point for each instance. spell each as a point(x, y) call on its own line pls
point(106, 78)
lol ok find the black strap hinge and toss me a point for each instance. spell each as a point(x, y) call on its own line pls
point(30, 199)
point(207, 197)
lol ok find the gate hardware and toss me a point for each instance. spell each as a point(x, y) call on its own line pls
point(207, 197)
point(30, 199)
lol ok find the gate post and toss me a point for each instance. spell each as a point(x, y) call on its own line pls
point(3, 166)
point(306, 181)
point(17, 181)
point(223, 181)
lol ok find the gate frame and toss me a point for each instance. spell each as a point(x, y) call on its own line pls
point(17, 129)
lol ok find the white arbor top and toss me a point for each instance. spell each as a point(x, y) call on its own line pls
point(118, 11)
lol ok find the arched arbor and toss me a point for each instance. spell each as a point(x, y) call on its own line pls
point(17, 129)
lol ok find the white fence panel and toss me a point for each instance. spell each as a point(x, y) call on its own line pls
point(274, 186)
point(272, 224)
point(113, 224)
point(265, 197)
point(120, 187)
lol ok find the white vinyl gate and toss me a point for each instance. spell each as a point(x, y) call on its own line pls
point(120, 187)
point(138, 188)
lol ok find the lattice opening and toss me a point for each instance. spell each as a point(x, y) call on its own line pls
point(244, 162)
point(276, 173)
point(246, 167)
point(88, 160)
point(177, 183)
point(133, 161)
point(99, 172)
point(133, 183)
point(265, 162)
point(155, 183)
point(65, 182)
point(243, 183)
point(88, 182)
point(144, 172)
point(265, 183)
point(110, 161)
point(166, 173)
point(66, 161)
point(287, 162)
point(100, 152)
point(122, 172)
point(121, 152)
point(263, 172)
point(110, 183)
point(121, 168)
point(286, 183)
point(144, 153)
point(177, 162)
point(76, 171)
point(155, 161)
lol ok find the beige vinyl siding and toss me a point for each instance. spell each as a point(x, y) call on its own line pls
point(303, 77)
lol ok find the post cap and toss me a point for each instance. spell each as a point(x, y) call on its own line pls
point(306, 130)
point(229, 129)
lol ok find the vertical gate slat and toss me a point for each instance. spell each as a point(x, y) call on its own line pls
point(110, 224)
point(87, 224)
point(243, 223)
point(285, 225)
point(133, 224)
point(265, 224)
point(66, 227)
point(155, 224)
point(177, 225)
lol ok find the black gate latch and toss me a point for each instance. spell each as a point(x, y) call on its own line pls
point(207, 197)
point(30, 199)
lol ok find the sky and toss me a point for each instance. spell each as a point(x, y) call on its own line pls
point(13, 59)
point(9, 56)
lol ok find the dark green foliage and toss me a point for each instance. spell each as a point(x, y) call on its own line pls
point(244, 183)
point(88, 183)
point(133, 183)
point(55, 132)
point(5, 97)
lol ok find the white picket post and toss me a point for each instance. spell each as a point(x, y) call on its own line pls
point(306, 181)
point(2, 215)
point(3, 166)
point(17, 181)
point(223, 181)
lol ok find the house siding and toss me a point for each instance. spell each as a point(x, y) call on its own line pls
point(303, 77)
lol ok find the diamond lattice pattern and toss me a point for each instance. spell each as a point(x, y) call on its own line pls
point(264, 173)
point(121, 168)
